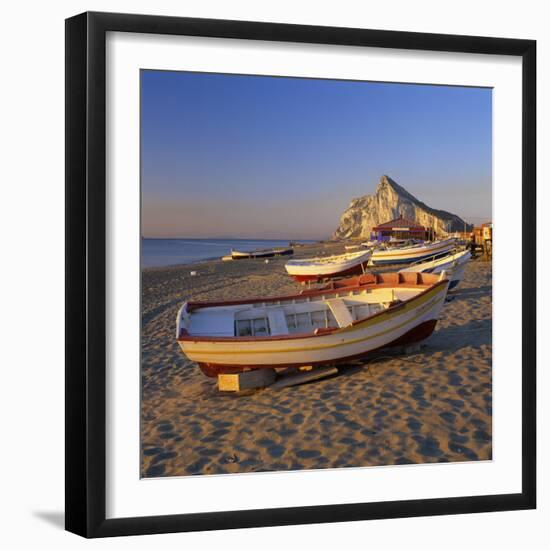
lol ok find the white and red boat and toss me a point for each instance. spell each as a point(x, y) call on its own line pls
point(265, 253)
point(410, 254)
point(345, 320)
point(328, 267)
point(454, 264)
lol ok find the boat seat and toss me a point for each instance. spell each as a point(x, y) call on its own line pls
point(277, 321)
point(340, 311)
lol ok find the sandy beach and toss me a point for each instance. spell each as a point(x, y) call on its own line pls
point(431, 406)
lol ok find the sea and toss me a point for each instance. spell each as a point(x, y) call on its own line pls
point(168, 252)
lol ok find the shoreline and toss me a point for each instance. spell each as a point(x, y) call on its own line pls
point(170, 266)
point(296, 244)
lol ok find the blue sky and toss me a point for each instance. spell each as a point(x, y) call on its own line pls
point(272, 157)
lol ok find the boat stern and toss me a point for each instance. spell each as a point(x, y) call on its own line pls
point(182, 321)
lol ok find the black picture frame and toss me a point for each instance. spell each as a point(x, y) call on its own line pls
point(86, 283)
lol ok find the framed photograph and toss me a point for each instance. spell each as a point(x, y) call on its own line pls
point(300, 274)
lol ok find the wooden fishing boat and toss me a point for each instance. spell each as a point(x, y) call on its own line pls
point(328, 267)
point(411, 254)
point(346, 320)
point(394, 242)
point(266, 253)
point(454, 264)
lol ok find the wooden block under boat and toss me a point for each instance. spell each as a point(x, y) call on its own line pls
point(247, 380)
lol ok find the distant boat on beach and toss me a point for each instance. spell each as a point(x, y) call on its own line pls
point(453, 264)
point(345, 320)
point(265, 253)
point(328, 267)
point(410, 254)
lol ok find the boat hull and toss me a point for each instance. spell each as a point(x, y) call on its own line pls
point(456, 275)
point(411, 255)
point(406, 322)
point(236, 255)
point(453, 265)
point(321, 269)
point(417, 334)
point(354, 270)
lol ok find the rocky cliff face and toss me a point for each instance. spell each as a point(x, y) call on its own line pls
point(391, 201)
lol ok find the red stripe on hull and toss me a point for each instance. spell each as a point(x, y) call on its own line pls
point(355, 270)
point(417, 334)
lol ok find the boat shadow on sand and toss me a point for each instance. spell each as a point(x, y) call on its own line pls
point(467, 293)
point(451, 339)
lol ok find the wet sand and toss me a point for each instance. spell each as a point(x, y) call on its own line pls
point(432, 406)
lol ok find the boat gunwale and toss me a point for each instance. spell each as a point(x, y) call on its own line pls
point(324, 261)
point(403, 251)
point(451, 257)
point(312, 275)
point(317, 333)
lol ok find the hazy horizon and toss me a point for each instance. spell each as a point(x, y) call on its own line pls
point(240, 157)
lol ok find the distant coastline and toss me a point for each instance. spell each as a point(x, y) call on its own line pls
point(230, 238)
point(167, 252)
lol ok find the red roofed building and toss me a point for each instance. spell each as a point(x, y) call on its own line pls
point(400, 228)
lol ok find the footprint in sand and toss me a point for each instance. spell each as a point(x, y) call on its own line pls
point(155, 471)
point(351, 442)
point(414, 424)
point(448, 416)
point(197, 467)
point(461, 449)
point(165, 427)
point(274, 449)
point(482, 436)
point(209, 452)
point(456, 403)
point(164, 456)
point(249, 463)
point(307, 453)
point(478, 423)
point(403, 460)
point(418, 395)
point(152, 451)
point(428, 446)
point(457, 438)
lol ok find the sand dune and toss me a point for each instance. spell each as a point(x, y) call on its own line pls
point(432, 406)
